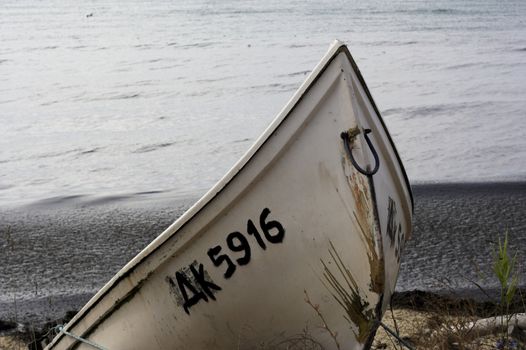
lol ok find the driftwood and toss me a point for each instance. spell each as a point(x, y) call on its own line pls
point(498, 324)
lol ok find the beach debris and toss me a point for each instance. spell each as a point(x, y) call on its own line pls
point(492, 325)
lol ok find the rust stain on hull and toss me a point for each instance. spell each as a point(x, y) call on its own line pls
point(368, 231)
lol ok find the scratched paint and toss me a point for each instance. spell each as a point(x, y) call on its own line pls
point(368, 230)
point(394, 230)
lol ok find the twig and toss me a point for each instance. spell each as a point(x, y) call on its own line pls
point(395, 324)
point(325, 326)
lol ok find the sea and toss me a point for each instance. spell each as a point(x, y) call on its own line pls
point(116, 112)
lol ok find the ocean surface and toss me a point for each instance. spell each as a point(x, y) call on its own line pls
point(110, 105)
point(105, 98)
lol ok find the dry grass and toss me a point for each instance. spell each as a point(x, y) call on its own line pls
point(427, 330)
point(9, 342)
point(438, 323)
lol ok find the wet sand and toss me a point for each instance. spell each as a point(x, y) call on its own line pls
point(56, 254)
point(456, 227)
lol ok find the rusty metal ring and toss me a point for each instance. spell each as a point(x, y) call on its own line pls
point(348, 147)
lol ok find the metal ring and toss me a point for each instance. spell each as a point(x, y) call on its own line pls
point(345, 136)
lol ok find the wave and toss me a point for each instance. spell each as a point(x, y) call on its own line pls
point(58, 201)
point(275, 87)
point(242, 140)
point(425, 11)
point(5, 187)
point(294, 74)
point(434, 110)
point(229, 11)
point(298, 46)
point(90, 151)
point(447, 11)
point(464, 65)
point(198, 45)
point(49, 47)
point(153, 147)
point(143, 46)
point(393, 42)
point(55, 154)
point(86, 200)
point(116, 97)
point(76, 152)
point(214, 80)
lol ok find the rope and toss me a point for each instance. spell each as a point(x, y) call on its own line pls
point(400, 340)
point(60, 328)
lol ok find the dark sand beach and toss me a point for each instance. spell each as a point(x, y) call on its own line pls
point(57, 253)
point(456, 227)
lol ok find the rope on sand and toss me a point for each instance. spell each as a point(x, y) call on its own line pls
point(400, 340)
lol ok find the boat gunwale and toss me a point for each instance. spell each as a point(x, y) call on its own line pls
point(335, 49)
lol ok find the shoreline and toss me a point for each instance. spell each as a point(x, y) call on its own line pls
point(165, 198)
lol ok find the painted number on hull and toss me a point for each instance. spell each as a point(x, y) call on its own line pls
point(192, 284)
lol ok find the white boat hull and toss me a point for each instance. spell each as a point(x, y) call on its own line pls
point(293, 243)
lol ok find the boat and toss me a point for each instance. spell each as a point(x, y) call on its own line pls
point(297, 246)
